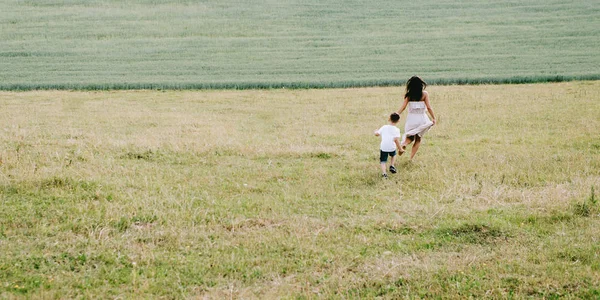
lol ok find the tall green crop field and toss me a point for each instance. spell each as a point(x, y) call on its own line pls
point(314, 43)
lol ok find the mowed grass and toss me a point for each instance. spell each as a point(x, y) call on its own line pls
point(277, 194)
point(93, 44)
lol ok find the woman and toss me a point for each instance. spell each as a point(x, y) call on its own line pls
point(417, 121)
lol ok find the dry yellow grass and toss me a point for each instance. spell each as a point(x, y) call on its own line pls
point(276, 193)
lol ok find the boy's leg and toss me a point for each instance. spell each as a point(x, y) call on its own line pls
point(382, 161)
point(392, 166)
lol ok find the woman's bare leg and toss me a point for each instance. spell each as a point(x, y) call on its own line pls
point(406, 143)
point(415, 146)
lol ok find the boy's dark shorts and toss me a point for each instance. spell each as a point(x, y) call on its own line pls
point(383, 155)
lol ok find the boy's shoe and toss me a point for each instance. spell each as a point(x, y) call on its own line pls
point(393, 169)
point(384, 176)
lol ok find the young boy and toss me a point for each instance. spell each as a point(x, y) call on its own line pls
point(390, 140)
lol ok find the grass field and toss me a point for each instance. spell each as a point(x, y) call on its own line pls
point(182, 194)
point(90, 44)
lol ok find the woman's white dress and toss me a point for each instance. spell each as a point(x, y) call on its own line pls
point(417, 121)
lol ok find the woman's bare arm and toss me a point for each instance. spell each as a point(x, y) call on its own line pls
point(404, 104)
point(429, 109)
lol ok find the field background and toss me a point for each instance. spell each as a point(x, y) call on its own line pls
point(310, 43)
point(177, 194)
point(277, 193)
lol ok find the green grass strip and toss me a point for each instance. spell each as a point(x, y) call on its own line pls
point(291, 84)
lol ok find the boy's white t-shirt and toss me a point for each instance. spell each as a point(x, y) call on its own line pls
point(388, 133)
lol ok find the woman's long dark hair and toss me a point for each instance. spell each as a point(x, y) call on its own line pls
point(414, 88)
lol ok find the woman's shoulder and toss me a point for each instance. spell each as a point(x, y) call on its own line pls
point(425, 96)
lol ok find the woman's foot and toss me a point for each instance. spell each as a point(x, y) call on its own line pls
point(402, 149)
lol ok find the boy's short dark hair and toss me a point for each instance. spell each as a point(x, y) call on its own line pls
point(394, 117)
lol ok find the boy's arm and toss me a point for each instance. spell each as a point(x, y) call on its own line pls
point(397, 141)
point(377, 132)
